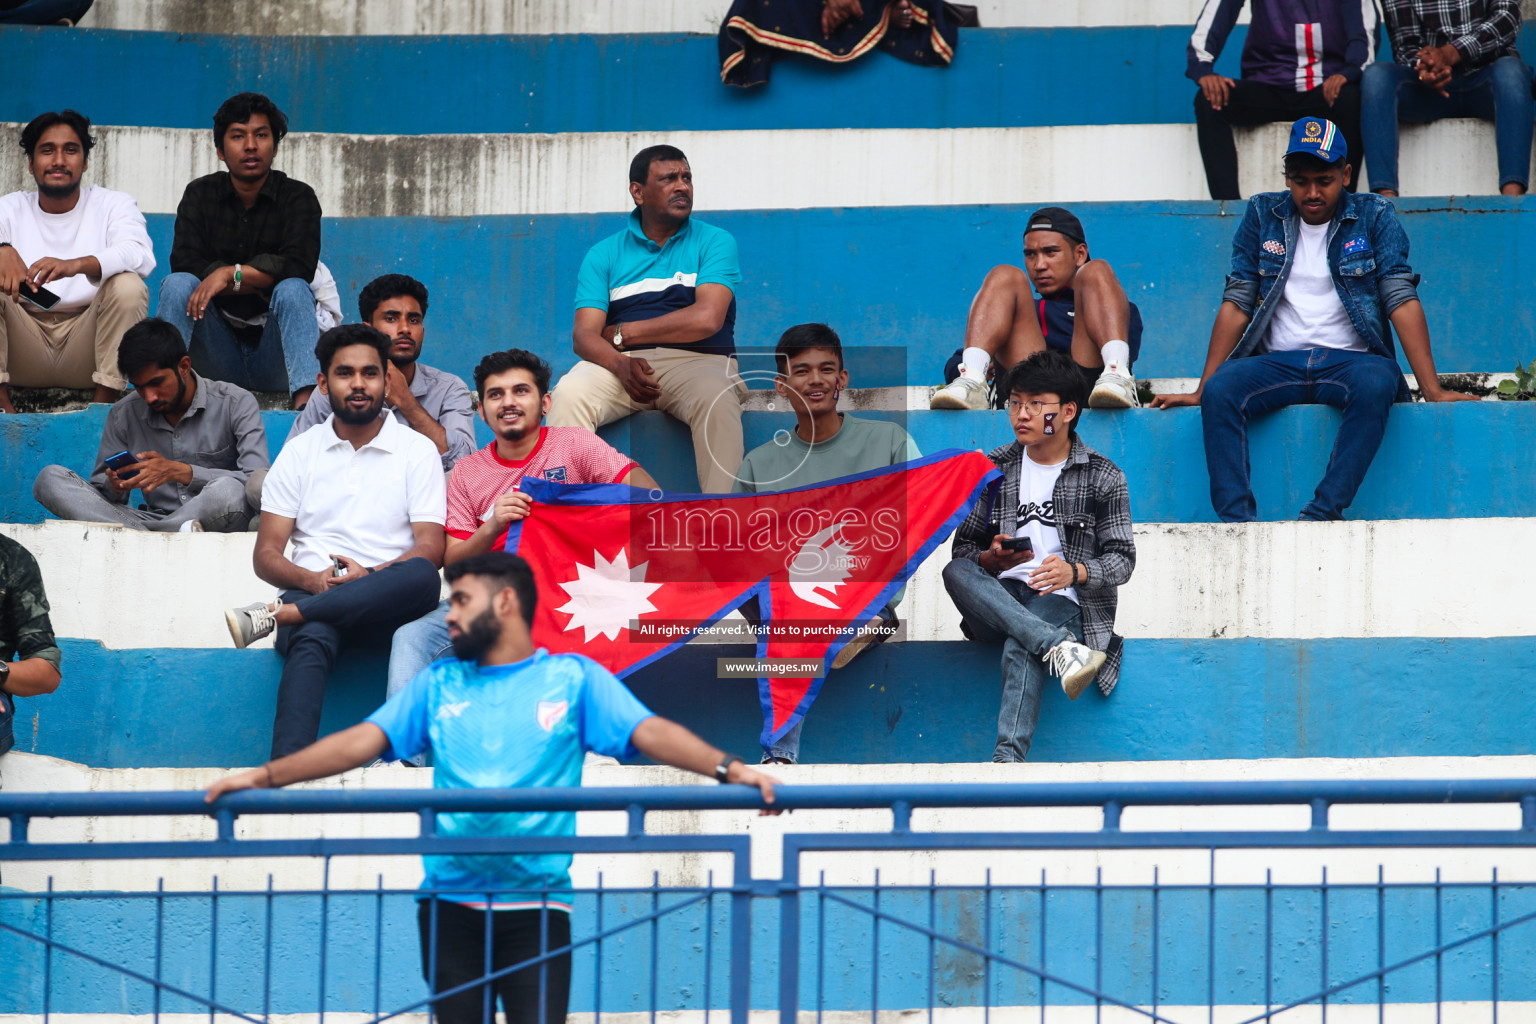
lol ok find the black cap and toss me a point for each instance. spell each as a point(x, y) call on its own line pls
point(1054, 218)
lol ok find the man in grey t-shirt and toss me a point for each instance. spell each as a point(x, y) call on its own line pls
point(189, 445)
point(432, 402)
point(825, 444)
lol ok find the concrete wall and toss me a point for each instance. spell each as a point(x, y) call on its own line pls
point(530, 17)
point(901, 279)
point(1162, 454)
point(1192, 581)
point(529, 174)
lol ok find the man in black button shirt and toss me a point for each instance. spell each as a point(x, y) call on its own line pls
point(247, 242)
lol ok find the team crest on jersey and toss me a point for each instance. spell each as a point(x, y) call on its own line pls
point(551, 713)
point(555, 475)
point(1274, 248)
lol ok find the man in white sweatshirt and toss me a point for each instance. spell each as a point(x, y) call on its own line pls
point(88, 247)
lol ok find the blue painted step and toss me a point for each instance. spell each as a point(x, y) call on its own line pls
point(918, 702)
point(422, 85)
point(900, 279)
point(1436, 462)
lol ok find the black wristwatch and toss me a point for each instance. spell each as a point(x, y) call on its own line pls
point(723, 769)
point(5, 675)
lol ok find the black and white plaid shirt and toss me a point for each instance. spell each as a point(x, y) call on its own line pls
point(1481, 30)
point(1094, 510)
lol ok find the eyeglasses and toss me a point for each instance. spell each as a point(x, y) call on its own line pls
point(1035, 408)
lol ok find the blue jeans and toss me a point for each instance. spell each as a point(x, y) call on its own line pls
point(1362, 384)
point(284, 360)
point(1500, 92)
point(45, 12)
point(1028, 624)
point(416, 645)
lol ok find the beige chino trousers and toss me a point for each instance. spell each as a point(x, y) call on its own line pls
point(700, 389)
point(39, 349)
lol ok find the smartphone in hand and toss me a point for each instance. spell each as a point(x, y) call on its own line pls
point(121, 459)
point(42, 298)
point(1023, 544)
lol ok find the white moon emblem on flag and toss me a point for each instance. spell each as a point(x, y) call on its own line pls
point(820, 564)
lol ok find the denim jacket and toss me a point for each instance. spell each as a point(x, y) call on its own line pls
point(1367, 253)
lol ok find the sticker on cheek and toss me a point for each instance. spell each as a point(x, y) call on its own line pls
point(1050, 424)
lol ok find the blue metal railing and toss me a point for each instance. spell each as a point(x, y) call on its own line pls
point(1137, 947)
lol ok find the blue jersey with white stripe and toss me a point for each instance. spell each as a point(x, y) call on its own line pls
point(525, 724)
point(631, 278)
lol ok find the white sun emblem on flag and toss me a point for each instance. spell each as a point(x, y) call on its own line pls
point(606, 596)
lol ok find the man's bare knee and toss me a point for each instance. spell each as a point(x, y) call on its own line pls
point(1095, 274)
point(1004, 278)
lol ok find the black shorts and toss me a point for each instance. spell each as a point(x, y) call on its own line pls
point(515, 936)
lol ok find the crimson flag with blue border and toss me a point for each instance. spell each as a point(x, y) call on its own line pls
point(626, 576)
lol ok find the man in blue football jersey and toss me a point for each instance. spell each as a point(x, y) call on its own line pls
point(501, 715)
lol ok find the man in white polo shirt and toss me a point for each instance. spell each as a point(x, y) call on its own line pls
point(363, 500)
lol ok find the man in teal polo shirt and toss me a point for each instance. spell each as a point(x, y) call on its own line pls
point(656, 322)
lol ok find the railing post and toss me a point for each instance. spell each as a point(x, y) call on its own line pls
point(789, 934)
point(741, 936)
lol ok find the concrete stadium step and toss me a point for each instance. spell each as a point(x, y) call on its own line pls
point(527, 174)
point(1192, 582)
point(603, 17)
point(911, 702)
point(1473, 451)
point(897, 282)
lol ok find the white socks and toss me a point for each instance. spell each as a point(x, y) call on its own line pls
point(1117, 355)
point(975, 362)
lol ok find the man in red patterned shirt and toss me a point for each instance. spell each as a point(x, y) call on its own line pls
point(483, 495)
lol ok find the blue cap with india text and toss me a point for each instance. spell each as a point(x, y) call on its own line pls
point(1318, 137)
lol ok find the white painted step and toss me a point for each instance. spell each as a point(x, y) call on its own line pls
point(598, 17)
point(586, 172)
point(1192, 581)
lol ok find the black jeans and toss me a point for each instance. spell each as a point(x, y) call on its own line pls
point(365, 611)
point(1252, 103)
point(472, 943)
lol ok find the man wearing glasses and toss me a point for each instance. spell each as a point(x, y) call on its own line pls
point(1039, 569)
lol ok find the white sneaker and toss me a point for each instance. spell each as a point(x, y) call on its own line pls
point(190, 526)
point(251, 623)
point(1116, 389)
point(1074, 664)
point(964, 392)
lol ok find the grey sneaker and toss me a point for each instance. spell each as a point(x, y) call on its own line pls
point(251, 623)
point(964, 392)
point(1115, 389)
point(1074, 664)
point(876, 631)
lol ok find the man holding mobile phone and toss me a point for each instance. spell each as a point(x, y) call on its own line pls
point(73, 261)
point(1039, 568)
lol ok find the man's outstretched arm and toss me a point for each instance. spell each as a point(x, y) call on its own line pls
point(339, 752)
point(663, 740)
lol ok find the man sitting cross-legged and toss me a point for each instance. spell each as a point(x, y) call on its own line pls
point(1039, 569)
point(502, 715)
point(193, 442)
point(362, 499)
point(483, 495)
point(825, 444)
point(1082, 310)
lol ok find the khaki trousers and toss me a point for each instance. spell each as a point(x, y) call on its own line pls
point(702, 390)
point(70, 350)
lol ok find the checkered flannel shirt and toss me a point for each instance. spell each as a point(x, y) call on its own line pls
point(1094, 510)
point(1481, 30)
